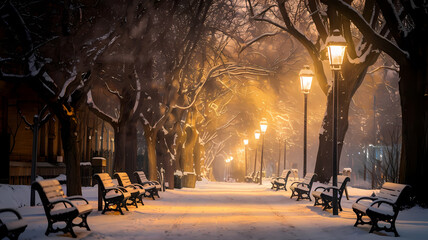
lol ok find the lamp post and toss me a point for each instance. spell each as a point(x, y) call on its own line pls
point(228, 160)
point(336, 45)
point(306, 75)
point(263, 128)
point(245, 144)
point(257, 137)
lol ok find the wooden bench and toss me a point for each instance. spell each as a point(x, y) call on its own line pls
point(323, 195)
point(112, 195)
point(147, 184)
point(137, 191)
point(250, 177)
point(384, 207)
point(281, 181)
point(60, 208)
point(13, 228)
point(256, 177)
point(303, 189)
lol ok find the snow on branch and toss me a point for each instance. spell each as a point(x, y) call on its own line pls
point(137, 97)
point(114, 92)
point(231, 69)
point(393, 68)
point(97, 111)
point(249, 43)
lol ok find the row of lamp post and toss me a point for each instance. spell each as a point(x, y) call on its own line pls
point(257, 134)
point(336, 45)
point(228, 163)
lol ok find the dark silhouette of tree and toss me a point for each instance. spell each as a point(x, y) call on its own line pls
point(406, 25)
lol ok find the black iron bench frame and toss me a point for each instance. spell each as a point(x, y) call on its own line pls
point(281, 185)
point(126, 183)
point(296, 189)
point(392, 194)
point(119, 201)
point(145, 181)
point(15, 232)
point(55, 196)
point(326, 199)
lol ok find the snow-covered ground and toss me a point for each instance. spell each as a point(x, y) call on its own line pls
point(217, 210)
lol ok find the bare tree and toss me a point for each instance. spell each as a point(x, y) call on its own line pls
point(404, 22)
point(310, 23)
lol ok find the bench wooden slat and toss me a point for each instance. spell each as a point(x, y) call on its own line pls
point(53, 197)
point(385, 206)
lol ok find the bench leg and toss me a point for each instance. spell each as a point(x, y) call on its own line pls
point(360, 220)
point(69, 228)
point(50, 228)
point(141, 199)
point(292, 193)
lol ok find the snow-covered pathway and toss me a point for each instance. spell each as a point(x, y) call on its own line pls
point(227, 211)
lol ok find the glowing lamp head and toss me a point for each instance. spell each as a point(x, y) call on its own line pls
point(257, 134)
point(245, 141)
point(336, 45)
point(263, 125)
point(306, 75)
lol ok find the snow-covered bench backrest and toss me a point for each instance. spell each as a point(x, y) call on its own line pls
point(284, 173)
point(142, 176)
point(308, 178)
point(52, 190)
point(106, 180)
point(123, 178)
point(391, 191)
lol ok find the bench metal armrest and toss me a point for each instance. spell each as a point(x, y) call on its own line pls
point(366, 198)
point(12, 211)
point(114, 189)
point(123, 189)
point(63, 200)
point(130, 186)
point(331, 188)
point(148, 182)
point(320, 187)
point(380, 201)
point(297, 183)
point(155, 182)
point(77, 198)
point(138, 185)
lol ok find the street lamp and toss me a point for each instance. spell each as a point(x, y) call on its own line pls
point(245, 144)
point(263, 128)
point(257, 137)
point(306, 75)
point(228, 160)
point(336, 45)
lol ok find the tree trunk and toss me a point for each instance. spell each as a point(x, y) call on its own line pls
point(353, 76)
point(119, 148)
point(414, 108)
point(151, 138)
point(188, 148)
point(197, 156)
point(72, 161)
point(131, 149)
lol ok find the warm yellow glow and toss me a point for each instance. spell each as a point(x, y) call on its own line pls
point(257, 134)
point(245, 141)
point(335, 55)
point(336, 45)
point(263, 125)
point(306, 75)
